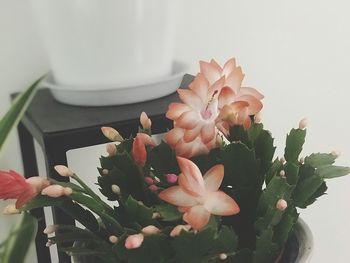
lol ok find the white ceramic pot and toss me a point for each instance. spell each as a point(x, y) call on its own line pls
point(107, 43)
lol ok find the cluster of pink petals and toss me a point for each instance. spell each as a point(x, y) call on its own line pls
point(215, 100)
point(136, 240)
point(199, 196)
point(15, 186)
point(139, 152)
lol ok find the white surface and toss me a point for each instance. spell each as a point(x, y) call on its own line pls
point(118, 95)
point(136, 42)
point(295, 52)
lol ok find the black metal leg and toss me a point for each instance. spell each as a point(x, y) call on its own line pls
point(56, 155)
point(31, 169)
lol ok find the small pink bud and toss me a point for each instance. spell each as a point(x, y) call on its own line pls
point(283, 160)
point(282, 173)
point(56, 191)
point(223, 256)
point(258, 118)
point(105, 172)
point(336, 153)
point(112, 134)
point(303, 124)
point(150, 230)
point(113, 239)
point(302, 160)
point(63, 170)
point(177, 230)
point(156, 215)
point(11, 210)
point(115, 189)
point(153, 187)
point(171, 178)
point(111, 149)
point(281, 205)
point(145, 121)
point(134, 241)
point(50, 229)
point(149, 180)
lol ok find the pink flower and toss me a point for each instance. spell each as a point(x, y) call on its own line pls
point(134, 241)
point(198, 196)
point(171, 178)
point(139, 152)
point(232, 89)
point(145, 121)
point(197, 114)
point(15, 186)
point(235, 113)
point(175, 138)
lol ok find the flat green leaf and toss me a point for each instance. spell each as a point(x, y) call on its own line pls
point(163, 159)
point(285, 226)
point(317, 160)
point(294, 144)
point(274, 170)
point(138, 212)
point(168, 212)
point(266, 251)
point(15, 113)
point(332, 171)
point(264, 150)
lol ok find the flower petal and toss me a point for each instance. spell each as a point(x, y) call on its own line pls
point(234, 80)
point(217, 86)
point(173, 136)
point(210, 71)
point(213, 178)
point(200, 86)
point(139, 152)
point(191, 179)
point(176, 109)
point(190, 98)
point(192, 134)
point(255, 105)
point(219, 203)
point(27, 195)
point(208, 132)
point(198, 217)
point(177, 196)
point(251, 91)
point(188, 120)
point(226, 96)
point(229, 66)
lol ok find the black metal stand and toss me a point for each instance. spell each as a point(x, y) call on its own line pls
point(59, 128)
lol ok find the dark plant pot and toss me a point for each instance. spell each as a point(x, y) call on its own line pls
point(297, 250)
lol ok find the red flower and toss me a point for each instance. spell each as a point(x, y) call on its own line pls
point(139, 152)
point(15, 186)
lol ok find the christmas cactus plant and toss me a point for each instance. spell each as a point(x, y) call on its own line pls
point(211, 191)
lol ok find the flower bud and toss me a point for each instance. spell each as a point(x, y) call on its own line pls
point(282, 173)
point(283, 160)
point(223, 256)
point(113, 239)
point(150, 230)
point(258, 117)
point(336, 153)
point(171, 178)
point(281, 205)
point(50, 243)
point(112, 134)
point(145, 121)
point(134, 241)
point(63, 170)
point(303, 124)
point(56, 191)
point(177, 230)
point(11, 210)
point(50, 229)
point(149, 180)
point(302, 160)
point(111, 149)
point(153, 187)
point(115, 189)
point(156, 215)
point(105, 172)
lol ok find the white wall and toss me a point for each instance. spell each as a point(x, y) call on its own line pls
point(295, 52)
